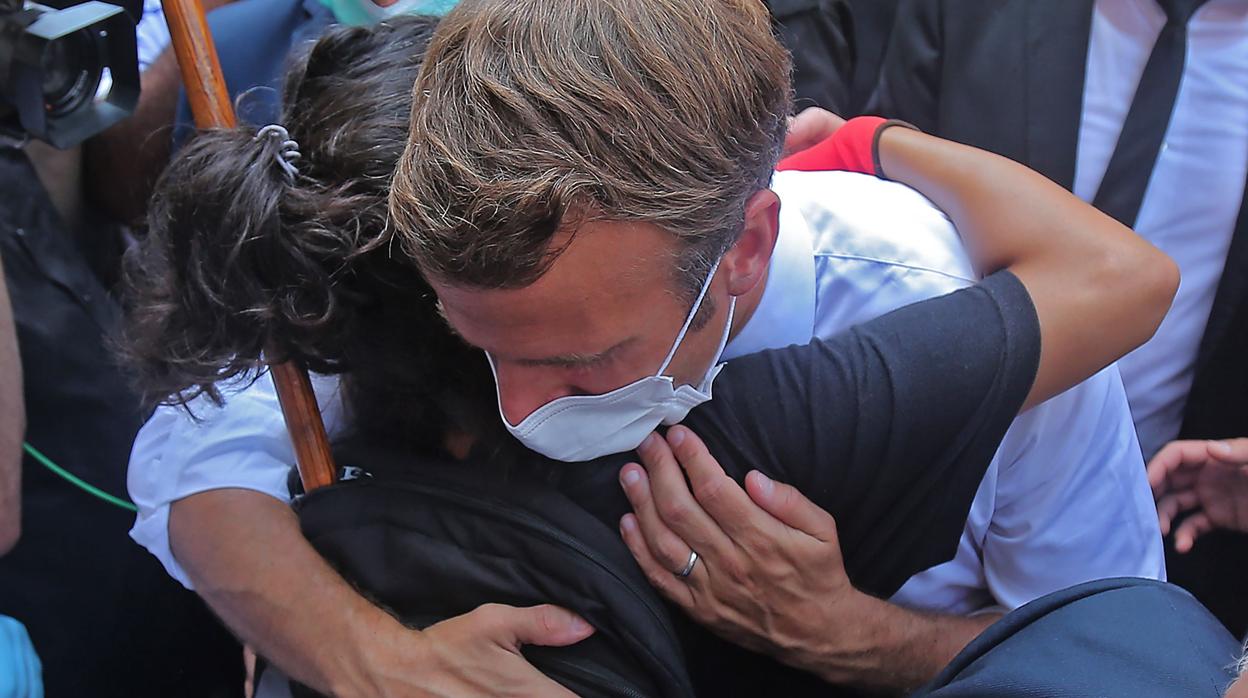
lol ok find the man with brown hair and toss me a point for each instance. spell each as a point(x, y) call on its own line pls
point(569, 135)
point(590, 187)
point(580, 175)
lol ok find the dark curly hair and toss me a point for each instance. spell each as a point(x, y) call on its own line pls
point(244, 265)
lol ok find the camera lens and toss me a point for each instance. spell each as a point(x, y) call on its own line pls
point(70, 69)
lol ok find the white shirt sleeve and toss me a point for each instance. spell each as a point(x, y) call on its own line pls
point(1065, 499)
point(1073, 502)
point(242, 445)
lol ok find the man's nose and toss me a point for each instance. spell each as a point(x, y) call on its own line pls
point(522, 390)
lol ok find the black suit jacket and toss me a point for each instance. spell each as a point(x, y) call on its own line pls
point(1008, 76)
point(819, 35)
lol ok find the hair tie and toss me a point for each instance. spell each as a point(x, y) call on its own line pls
point(289, 151)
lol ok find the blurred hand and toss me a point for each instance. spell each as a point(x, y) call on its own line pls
point(812, 126)
point(1205, 480)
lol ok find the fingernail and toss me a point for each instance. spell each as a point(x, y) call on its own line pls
point(631, 475)
point(648, 442)
point(628, 522)
point(676, 436)
point(1221, 447)
point(765, 484)
point(578, 625)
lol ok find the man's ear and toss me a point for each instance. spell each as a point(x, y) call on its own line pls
point(746, 262)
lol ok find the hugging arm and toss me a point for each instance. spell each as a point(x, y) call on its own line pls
point(1081, 292)
point(1099, 289)
point(284, 600)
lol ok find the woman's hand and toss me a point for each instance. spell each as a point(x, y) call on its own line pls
point(1207, 481)
point(809, 128)
point(257, 571)
point(476, 654)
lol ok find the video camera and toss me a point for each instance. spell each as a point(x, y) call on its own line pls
point(66, 72)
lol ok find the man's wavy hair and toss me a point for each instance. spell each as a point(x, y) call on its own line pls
point(531, 117)
point(242, 260)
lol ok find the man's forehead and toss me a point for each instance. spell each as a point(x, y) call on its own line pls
point(517, 326)
point(596, 295)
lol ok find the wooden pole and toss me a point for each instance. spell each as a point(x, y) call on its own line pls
point(210, 103)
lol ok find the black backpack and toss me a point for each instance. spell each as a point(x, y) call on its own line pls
point(433, 541)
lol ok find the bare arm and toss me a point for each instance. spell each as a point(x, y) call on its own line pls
point(253, 567)
point(12, 425)
point(1099, 289)
point(894, 650)
point(1099, 292)
point(235, 544)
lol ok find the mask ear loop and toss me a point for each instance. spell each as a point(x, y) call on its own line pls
point(697, 304)
point(723, 340)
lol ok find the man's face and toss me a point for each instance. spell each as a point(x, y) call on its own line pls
point(604, 315)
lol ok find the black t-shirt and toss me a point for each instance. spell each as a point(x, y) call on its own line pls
point(889, 426)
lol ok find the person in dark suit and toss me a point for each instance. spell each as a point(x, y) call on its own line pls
point(820, 35)
point(837, 48)
point(872, 26)
point(1053, 84)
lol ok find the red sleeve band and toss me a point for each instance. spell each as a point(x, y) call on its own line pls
point(853, 148)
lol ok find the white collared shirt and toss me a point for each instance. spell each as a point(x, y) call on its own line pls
point(1195, 192)
point(1064, 501)
point(243, 445)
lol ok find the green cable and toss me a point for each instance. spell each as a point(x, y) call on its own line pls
point(74, 480)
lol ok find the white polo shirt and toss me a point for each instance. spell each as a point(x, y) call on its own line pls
point(1064, 501)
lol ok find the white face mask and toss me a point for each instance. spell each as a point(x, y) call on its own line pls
point(402, 7)
point(366, 12)
point(583, 427)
